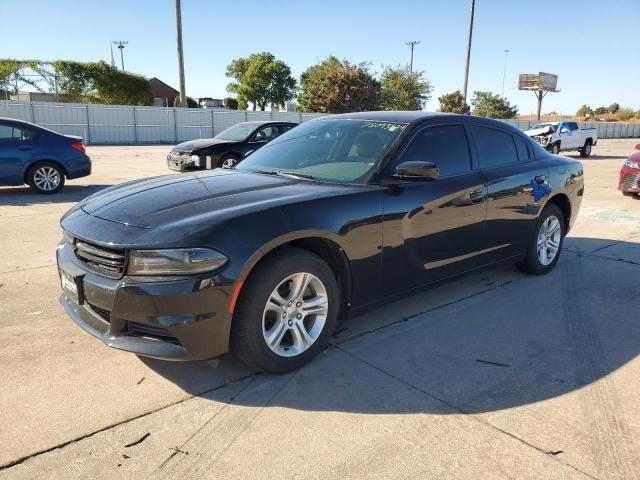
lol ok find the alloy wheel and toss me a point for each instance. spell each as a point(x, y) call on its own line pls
point(229, 163)
point(46, 178)
point(549, 238)
point(295, 314)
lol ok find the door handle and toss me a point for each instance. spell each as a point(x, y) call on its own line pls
point(541, 179)
point(477, 196)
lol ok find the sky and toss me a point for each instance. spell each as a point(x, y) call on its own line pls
point(591, 45)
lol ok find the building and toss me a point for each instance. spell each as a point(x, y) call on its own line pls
point(33, 97)
point(208, 102)
point(287, 107)
point(163, 95)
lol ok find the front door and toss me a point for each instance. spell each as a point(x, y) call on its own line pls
point(17, 146)
point(434, 228)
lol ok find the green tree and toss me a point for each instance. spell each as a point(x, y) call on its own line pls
point(260, 79)
point(614, 107)
point(625, 114)
point(191, 103)
point(337, 86)
point(487, 104)
point(230, 103)
point(453, 103)
point(402, 90)
point(600, 110)
point(584, 111)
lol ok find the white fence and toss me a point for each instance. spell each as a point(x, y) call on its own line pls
point(126, 124)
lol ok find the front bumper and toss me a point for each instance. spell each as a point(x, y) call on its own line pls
point(182, 162)
point(629, 180)
point(172, 319)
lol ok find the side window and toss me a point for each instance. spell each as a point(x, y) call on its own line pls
point(523, 149)
point(267, 133)
point(444, 145)
point(573, 126)
point(495, 148)
point(285, 128)
point(9, 132)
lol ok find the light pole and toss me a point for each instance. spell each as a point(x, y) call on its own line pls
point(504, 72)
point(121, 44)
point(411, 45)
point(183, 90)
point(466, 68)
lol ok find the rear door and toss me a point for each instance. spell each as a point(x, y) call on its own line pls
point(516, 184)
point(433, 229)
point(17, 146)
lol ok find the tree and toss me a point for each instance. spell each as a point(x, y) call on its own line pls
point(401, 89)
point(614, 107)
point(487, 104)
point(625, 114)
point(261, 80)
point(584, 111)
point(600, 110)
point(337, 86)
point(230, 103)
point(453, 103)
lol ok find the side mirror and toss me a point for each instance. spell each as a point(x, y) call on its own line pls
point(417, 170)
point(638, 146)
point(563, 130)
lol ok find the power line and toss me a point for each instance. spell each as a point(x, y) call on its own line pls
point(183, 90)
point(121, 44)
point(466, 68)
point(504, 72)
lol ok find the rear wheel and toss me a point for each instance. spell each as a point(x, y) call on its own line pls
point(286, 312)
point(586, 150)
point(555, 148)
point(45, 177)
point(545, 247)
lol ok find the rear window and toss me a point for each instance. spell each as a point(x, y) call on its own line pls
point(495, 147)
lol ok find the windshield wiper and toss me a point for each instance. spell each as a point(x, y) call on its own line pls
point(284, 173)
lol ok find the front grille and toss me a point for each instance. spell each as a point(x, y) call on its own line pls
point(108, 261)
point(632, 181)
point(102, 313)
point(151, 331)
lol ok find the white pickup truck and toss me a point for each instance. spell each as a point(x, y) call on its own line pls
point(561, 136)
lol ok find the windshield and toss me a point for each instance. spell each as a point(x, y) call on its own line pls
point(340, 150)
point(238, 132)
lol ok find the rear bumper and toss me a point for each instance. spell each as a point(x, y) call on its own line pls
point(78, 167)
point(183, 319)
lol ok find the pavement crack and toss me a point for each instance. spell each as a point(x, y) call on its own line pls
point(59, 446)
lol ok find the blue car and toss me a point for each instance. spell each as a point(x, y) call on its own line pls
point(39, 157)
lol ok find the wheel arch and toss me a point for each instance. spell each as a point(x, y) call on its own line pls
point(564, 204)
point(323, 244)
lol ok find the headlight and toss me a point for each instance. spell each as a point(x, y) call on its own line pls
point(195, 158)
point(632, 164)
point(181, 261)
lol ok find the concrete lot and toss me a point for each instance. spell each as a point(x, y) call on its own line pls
point(497, 375)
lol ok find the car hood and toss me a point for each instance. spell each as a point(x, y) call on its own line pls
point(539, 131)
point(199, 197)
point(192, 145)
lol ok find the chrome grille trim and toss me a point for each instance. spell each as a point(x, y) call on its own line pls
point(107, 261)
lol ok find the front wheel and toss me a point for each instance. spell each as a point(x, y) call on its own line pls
point(286, 312)
point(45, 177)
point(555, 148)
point(228, 161)
point(544, 250)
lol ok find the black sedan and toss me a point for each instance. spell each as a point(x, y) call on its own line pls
point(227, 148)
point(335, 216)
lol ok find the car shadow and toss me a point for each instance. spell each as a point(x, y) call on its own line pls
point(523, 340)
point(20, 196)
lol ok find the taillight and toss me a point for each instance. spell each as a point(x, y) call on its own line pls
point(78, 146)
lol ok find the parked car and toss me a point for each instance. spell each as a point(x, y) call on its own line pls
point(39, 157)
point(559, 137)
point(225, 149)
point(335, 216)
point(629, 183)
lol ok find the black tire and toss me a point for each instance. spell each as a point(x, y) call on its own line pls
point(555, 148)
point(629, 194)
point(247, 338)
point(586, 150)
point(33, 177)
point(228, 158)
point(531, 263)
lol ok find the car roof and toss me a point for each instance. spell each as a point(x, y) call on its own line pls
point(18, 122)
point(264, 122)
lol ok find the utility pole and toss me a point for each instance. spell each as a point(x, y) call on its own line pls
point(183, 90)
point(411, 45)
point(504, 72)
point(466, 68)
point(121, 45)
